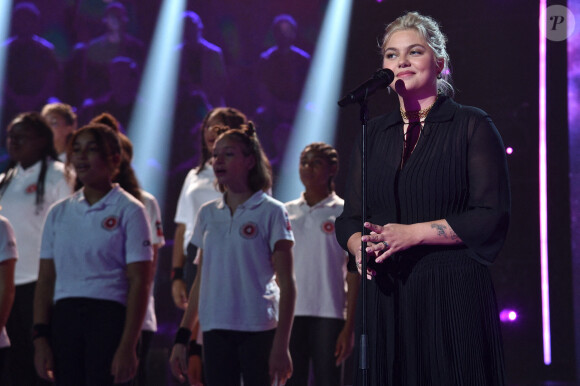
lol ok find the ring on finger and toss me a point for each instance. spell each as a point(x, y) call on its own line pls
point(385, 244)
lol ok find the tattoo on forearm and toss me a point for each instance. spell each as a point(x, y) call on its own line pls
point(440, 229)
point(454, 236)
point(442, 232)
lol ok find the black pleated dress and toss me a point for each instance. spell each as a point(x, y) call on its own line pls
point(432, 315)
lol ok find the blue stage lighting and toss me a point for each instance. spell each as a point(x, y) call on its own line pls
point(318, 111)
point(150, 126)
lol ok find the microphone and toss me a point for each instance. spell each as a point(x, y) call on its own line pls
point(380, 79)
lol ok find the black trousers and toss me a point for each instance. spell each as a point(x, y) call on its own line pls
point(20, 360)
point(314, 339)
point(143, 355)
point(85, 336)
point(230, 354)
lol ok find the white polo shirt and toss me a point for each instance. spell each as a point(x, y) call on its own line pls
point(19, 207)
point(92, 245)
point(197, 190)
point(319, 261)
point(7, 251)
point(157, 238)
point(238, 288)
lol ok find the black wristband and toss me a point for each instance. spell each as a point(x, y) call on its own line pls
point(177, 274)
point(40, 330)
point(194, 348)
point(183, 335)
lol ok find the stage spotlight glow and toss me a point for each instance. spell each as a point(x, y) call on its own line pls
point(5, 13)
point(150, 126)
point(509, 150)
point(318, 111)
point(543, 178)
point(508, 316)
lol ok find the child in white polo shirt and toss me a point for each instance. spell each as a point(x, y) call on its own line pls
point(326, 292)
point(95, 272)
point(244, 292)
point(33, 180)
point(128, 181)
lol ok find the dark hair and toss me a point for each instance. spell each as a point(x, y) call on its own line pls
point(36, 122)
point(106, 138)
point(284, 18)
point(260, 176)
point(224, 118)
point(108, 120)
point(327, 152)
point(117, 9)
point(126, 176)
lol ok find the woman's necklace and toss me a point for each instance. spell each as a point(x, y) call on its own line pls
point(414, 121)
point(420, 115)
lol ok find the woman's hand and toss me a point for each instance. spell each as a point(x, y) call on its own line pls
point(178, 361)
point(386, 240)
point(358, 258)
point(354, 247)
point(124, 366)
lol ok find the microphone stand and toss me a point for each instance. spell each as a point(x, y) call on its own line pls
point(363, 364)
point(381, 79)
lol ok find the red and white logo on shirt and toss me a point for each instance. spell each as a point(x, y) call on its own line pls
point(159, 228)
point(328, 227)
point(249, 230)
point(31, 188)
point(110, 223)
point(288, 225)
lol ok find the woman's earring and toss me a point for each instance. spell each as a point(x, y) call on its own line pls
point(439, 76)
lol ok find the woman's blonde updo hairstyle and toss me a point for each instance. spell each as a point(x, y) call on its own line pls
point(429, 29)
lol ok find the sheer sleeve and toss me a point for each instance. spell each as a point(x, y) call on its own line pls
point(483, 226)
point(350, 221)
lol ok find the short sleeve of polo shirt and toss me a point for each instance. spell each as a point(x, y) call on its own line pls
point(138, 242)
point(154, 215)
point(184, 206)
point(280, 228)
point(7, 241)
point(47, 241)
point(199, 227)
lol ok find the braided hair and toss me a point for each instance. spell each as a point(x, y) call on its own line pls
point(327, 152)
point(36, 122)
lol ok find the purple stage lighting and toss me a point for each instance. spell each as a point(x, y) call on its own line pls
point(508, 316)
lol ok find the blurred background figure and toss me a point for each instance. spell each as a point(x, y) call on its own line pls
point(282, 71)
point(119, 100)
point(202, 65)
point(32, 69)
point(280, 76)
point(99, 52)
point(62, 119)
